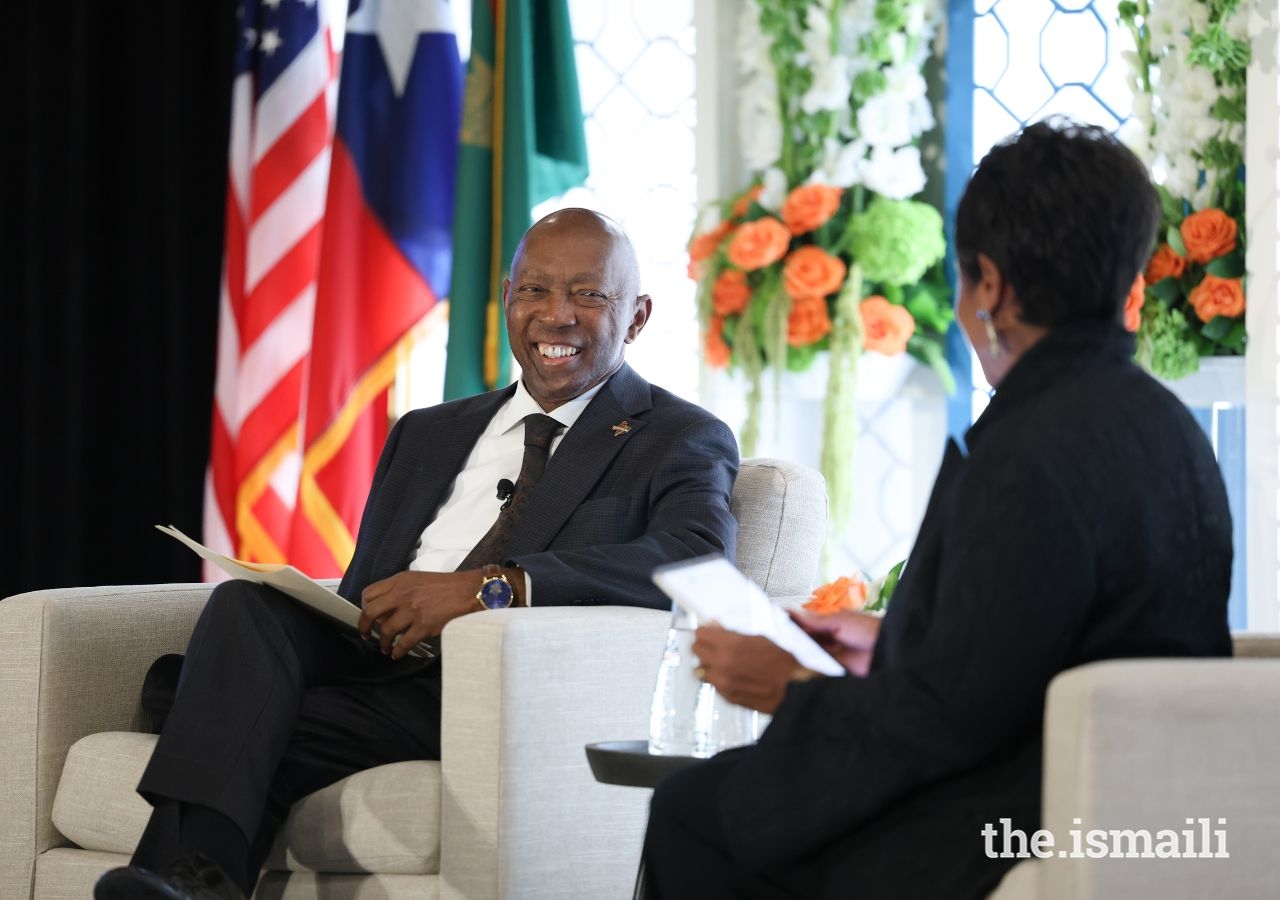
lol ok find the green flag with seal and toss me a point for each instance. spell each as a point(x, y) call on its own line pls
point(522, 143)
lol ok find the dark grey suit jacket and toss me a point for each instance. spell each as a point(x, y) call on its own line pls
point(608, 510)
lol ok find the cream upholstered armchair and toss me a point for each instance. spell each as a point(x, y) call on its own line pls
point(510, 811)
point(1145, 745)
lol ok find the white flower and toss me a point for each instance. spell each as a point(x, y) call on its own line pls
point(1201, 196)
point(1239, 22)
point(752, 43)
point(1203, 129)
point(897, 47)
point(1197, 17)
point(831, 87)
point(1131, 58)
point(882, 122)
point(896, 174)
point(1165, 20)
point(920, 116)
point(1176, 140)
point(761, 142)
point(855, 18)
point(1193, 88)
point(904, 82)
point(841, 164)
point(773, 189)
point(1133, 134)
point(915, 19)
point(1142, 108)
point(817, 34)
point(1181, 177)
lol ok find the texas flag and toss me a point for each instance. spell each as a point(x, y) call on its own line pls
point(385, 256)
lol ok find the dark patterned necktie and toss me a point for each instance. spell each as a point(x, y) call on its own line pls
point(538, 431)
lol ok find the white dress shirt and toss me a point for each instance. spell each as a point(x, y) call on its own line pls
point(472, 503)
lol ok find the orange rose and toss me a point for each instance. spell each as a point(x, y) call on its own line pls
point(704, 245)
point(758, 244)
point(886, 327)
point(743, 203)
point(810, 206)
point(1133, 303)
point(1208, 234)
point(717, 349)
point(1217, 297)
point(843, 593)
point(730, 293)
point(808, 321)
point(1165, 263)
point(812, 272)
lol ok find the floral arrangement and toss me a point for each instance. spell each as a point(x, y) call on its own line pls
point(1189, 122)
point(855, 592)
point(824, 251)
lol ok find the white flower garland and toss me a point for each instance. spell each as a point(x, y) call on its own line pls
point(1173, 117)
point(872, 144)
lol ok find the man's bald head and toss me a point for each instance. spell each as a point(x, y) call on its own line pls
point(575, 222)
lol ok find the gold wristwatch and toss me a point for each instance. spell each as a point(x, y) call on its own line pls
point(495, 591)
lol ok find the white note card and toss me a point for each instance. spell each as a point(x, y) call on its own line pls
point(713, 589)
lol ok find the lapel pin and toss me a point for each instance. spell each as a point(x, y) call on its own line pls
point(621, 428)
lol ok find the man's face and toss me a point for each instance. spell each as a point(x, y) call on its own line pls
point(571, 307)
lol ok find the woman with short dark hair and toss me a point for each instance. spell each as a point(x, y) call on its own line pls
point(1082, 518)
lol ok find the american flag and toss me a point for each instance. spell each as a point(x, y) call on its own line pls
point(278, 169)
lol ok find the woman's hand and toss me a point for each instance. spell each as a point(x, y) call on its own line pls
point(849, 636)
point(750, 671)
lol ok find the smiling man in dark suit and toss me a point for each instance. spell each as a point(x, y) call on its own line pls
point(600, 478)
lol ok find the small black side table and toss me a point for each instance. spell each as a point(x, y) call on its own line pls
point(630, 763)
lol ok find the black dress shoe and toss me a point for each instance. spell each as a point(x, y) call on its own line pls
point(190, 878)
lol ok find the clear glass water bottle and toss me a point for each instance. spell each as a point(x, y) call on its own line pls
point(675, 695)
point(688, 717)
point(720, 725)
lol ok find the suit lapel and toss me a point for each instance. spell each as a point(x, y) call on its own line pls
point(441, 457)
point(582, 457)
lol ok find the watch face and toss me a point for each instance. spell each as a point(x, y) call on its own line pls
point(495, 594)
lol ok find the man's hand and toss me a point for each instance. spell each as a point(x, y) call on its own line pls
point(750, 671)
point(849, 636)
point(413, 606)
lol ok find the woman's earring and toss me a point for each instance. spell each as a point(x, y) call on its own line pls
point(993, 337)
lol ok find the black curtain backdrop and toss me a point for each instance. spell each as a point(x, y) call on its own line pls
point(112, 247)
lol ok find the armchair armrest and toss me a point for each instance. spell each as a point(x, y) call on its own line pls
point(71, 664)
point(1149, 744)
point(524, 691)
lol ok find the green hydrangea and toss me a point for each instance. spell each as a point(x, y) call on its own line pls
point(896, 241)
point(1166, 345)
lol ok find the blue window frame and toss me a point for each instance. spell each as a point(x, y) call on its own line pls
point(1011, 62)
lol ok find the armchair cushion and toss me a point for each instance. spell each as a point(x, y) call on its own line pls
point(382, 820)
point(97, 806)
